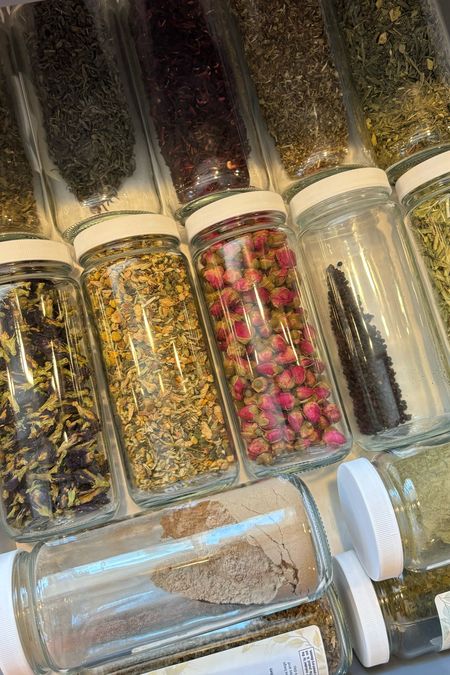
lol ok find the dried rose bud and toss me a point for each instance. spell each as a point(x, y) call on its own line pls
point(260, 240)
point(273, 435)
point(265, 355)
point(216, 309)
point(315, 436)
point(242, 285)
point(267, 402)
point(248, 413)
point(265, 331)
point(295, 420)
point(265, 263)
point(298, 374)
point(289, 434)
point(302, 444)
point(242, 331)
point(294, 320)
point(306, 347)
point(256, 319)
point(265, 458)
point(309, 332)
point(237, 313)
point(286, 257)
point(268, 420)
point(310, 379)
point(228, 297)
point(323, 422)
point(249, 430)
point(230, 276)
point(242, 366)
point(276, 238)
point(304, 392)
point(267, 283)
point(257, 447)
point(279, 276)
point(333, 437)
point(321, 391)
point(229, 366)
point(307, 362)
point(253, 276)
point(296, 336)
point(210, 257)
point(214, 276)
point(238, 387)
point(285, 380)
point(286, 400)
point(259, 384)
point(235, 349)
point(250, 258)
point(268, 369)
point(319, 366)
point(223, 345)
point(231, 249)
point(221, 330)
point(262, 294)
point(287, 357)
point(278, 343)
point(311, 411)
point(281, 296)
point(332, 412)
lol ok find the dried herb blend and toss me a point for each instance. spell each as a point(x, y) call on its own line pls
point(276, 377)
point(17, 201)
point(85, 113)
point(401, 79)
point(299, 90)
point(367, 366)
point(430, 222)
point(52, 463)
point(199, 129)
point(158, 369)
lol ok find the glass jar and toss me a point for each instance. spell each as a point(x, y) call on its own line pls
point(425, 194)
point(202, 131)
point(89, 134)
point(162, 577)
point(54, 471)
point(303, 88)
point(166, 401)
point(375, 312)
point(397, 509)
point(285, 633)
point(280, 387)
point(400, 61)
point(405, 617)
point(24, 206)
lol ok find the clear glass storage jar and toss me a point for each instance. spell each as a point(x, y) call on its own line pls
point(166, 401)
point(24, 205)
point(54, 470)
point(281, 389)
point(425, 194)
point(161, 577)
point(303, 88)
point(375, 311)
point(397, 509)
point(314, 629)
point(399, 55)
point(85, 118)
point(404, 617)
point(201, 128)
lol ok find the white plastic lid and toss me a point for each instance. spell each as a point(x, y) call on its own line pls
point(34, 250)
point(232, 207)
point(420, 174)
point(121, 227)
point(370, 518)
point(12, 656)
point(362, 610)
point(338, 184)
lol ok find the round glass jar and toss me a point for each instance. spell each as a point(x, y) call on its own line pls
point(166, 401)
point(161, 577)
point(404, 617)
point(54, 470)
point(397, 509)
point(281, 388)
point(399, 57)
point(302, 87)
point(86, 123)
point(375, 311)
point(425, 194)
point(201, 128)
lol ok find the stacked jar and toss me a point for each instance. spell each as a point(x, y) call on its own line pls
point(375, 310)
point(281, 388)
point(200, 127)
point(90, 139)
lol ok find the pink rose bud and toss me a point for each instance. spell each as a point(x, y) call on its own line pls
point(260, 240)
point(267, 369)
point(242, 285)
point(210, 256)
point(238, 386)
point(333, 437)
point(304, 392)
point(221, 330)
point(285, 257)
point(286, 400)
point(278, 343)
point(285, 380)
point(257, 447)
point(306, 347)
point(248, 413)
point(309, 332)
point(253, 276)
point(287, 357)
point(319, 366)
point(279, 276)
point(242, 331)
point(223, 345)
point(231, 275)
point(216, 309)
point(273, 435)
point(249, 257)
point(311, 411)
point(262, 294)
point(229, 297)
point(255, 318)
point(265, 331)
point(298, 374)
point(268, 420)
point(267, 402)
point(238, 311)
point(310, 379)
point(332, 412)
point(214, 276)
point(281, 296)
point(265, 355)
point(289, 434)
point(321, 392)
point(307, 362)
point(295, 420)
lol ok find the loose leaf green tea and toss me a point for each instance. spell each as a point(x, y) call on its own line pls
point(158, 369)
point(403, 83)
point(52, 465)
point(85, 114)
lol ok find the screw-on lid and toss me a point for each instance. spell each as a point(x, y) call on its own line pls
point(121, 227)
point(34, 250)
point(361, 609)
point(338, 184)
point(233, 206)
point(12, 656)
point(422, 173)
point(370, 518)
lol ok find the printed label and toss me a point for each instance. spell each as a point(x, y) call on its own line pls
point(443, 608)
point(299, 652)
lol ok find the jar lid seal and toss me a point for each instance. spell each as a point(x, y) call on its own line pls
point(34, 250)
point(362, 610)
point(422, 173)
point(233, 206)
point(123, 226)
point(370, 519)
point(338, 184)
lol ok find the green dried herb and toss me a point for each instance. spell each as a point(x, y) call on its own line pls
point(158, 368)
point(394, 60)
point(51, 463)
